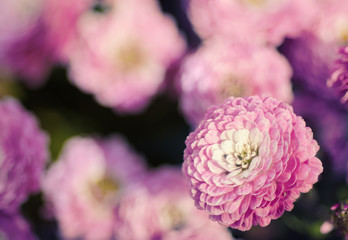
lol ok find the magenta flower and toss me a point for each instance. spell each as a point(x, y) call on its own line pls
point(160, 207)
point(263, 21)
point(339, 77)
point(23, 154)
point(219, 70)
point(24, 50)
point(249, 160)
point(29, 56)
point(84, 185)
point(117, 59)
point(14, 227)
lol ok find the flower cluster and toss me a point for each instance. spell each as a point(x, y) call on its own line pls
point(114, 196)
point(254, 81)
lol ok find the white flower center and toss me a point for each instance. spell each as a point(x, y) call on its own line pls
point(237, 154)
point(244, 154)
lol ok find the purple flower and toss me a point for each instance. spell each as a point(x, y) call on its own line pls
point(221, 69)
point(329, 122)
point(160, 207)
point(23, 154)
point(30, 56)
point(14, 227)
point(85, 184)
point(311, 60)
point(24, 50)
point(313, 54)
point(339, 77)
point(248, 161)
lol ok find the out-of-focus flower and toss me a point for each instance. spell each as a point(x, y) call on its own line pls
point(313, 54)
point(14, 227)
point(63, 18)
point(339, 77)
point(126, 68)
point(338, 221)
point(329, 123)
point(219, 70)
point(311, 60)
point(23, 154)
point(263, 21)
point(24, 50)
point(29, 57)
point(17, 16)
point(160, 207)
point(84, 185)
point(249, 160)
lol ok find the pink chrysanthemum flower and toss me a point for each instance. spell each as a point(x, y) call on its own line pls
point(120, 61)
point(160, 207)
point(339, 77)
point(84, 185)
point(265, 21)
point(249, 160)
point(23, 154)
point(219, 70)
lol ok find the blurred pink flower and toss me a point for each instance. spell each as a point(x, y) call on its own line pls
point(63, 18)
point(16, 17)
point(261, 21)
point(160, 207)
point(219, 70)
point(122, 59)
point(249, 160)
point(84, 185)
point(23, 154)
